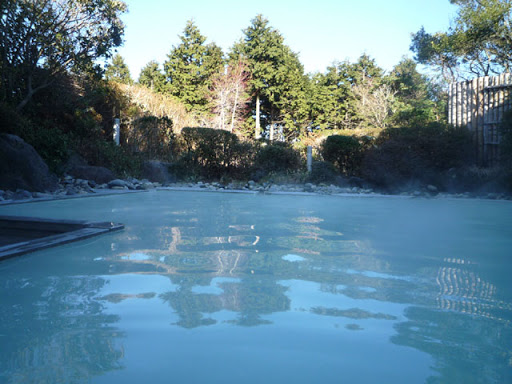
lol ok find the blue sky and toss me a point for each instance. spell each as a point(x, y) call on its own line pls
point(321, 31)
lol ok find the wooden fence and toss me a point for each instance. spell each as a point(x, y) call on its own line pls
point(480, 104)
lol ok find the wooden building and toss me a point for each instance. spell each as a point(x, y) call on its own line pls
point(480, 104)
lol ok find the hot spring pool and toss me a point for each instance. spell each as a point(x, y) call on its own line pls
point(234, 288)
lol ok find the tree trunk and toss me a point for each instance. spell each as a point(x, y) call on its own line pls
point(30, 92)
point(257, 131)
point(235, 106)
point(272, 123)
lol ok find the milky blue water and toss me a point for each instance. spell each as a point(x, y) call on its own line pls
point(231, 288)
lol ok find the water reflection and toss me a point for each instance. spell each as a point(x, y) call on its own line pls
point(316, 269)
point(58, 332)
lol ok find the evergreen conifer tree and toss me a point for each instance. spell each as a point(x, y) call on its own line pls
point(190, 68)
point(277, 80)
point(152, 77)
point(118, 71)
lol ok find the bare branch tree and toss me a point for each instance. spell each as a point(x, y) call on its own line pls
point(229, 96)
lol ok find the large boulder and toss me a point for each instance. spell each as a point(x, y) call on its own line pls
point(21, 167)
point(77, 167)
point(100, 175)
point(157, 171)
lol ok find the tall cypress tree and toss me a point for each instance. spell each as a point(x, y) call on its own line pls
point(329, 96)
point(118, 71)
point(152, 77)
point(277, 80)
point(190, 68)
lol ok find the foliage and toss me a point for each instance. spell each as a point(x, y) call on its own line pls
point(345, 152)
point(277, 80)
point(277, 157)
point(49, 142)
point(152, 78)
point(118, 71)
point(478, 43)
point(350, 95)
point(190, 69)
point(417, 154)
point(153, 136)
point(418, 100)
point(118, 159)
point(41, 39)
point(329, 94)
point(323, 172)
point(213, 153)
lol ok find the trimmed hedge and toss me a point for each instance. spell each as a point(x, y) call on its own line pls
point(212, 154)
point(417, 154)
point(277, 157)
point(344, 152)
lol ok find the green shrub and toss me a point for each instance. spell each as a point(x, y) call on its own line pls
point(153, 136)
point(49, 142)
point(417, 154)
point(344, 152)
point(277, 157)
point(213, 153)
point(323, 172)
point(107, 154)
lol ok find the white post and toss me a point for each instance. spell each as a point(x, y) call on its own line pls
point(117, 130)
point(310, 158)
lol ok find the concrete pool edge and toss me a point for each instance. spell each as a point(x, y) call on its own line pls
point(66, 231)
point(50, 197)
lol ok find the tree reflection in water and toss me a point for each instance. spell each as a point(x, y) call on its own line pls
point(256, 260)
point(67, 339)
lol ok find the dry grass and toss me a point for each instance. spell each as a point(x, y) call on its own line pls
point(159, 105)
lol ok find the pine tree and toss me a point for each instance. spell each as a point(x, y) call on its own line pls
point(118, 71)
point(190, 68)
point(417, 97)
point(277, 82)
point(329, 95)
point(152, 77)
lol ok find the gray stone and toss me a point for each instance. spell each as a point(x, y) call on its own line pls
point(116, 183)
point(308, 187)
point(71, 191)
point(99, 175)
point(40, 195)
point(22, 194)
point(22, 168)
point(431, 188)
